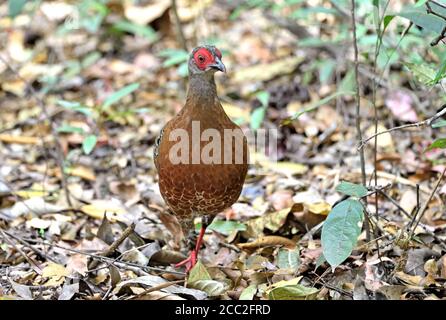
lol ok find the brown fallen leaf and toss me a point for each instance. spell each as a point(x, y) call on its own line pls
point(268, 241)
point(97, 208)
point(18, 139)
point(442, 265)
point(174, 227)
point(82, 172)
point(272, 221)
point(125, 189)
point(56, 274)
point(408, 201)
point(143, 15)
point(408, 279)
point(236, 112)
point(267, 71)
point(77, 263)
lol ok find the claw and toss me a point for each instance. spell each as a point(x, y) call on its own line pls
point(192, 259)
point(189, 262)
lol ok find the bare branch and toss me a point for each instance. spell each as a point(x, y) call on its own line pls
point(179, 29)
point(358, 109)
point(424, 208)
point(429, 10)
point(424, 123)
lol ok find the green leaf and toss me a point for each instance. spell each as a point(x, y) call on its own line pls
point(439, 143)
point(288, 259)
point(166, 53)
point(90, 59)
point(136, 29)
point(73, 68)
point(15, 7)
point(439, 124)
point(352, 189)
point(387, 20)
point(321, 103)
point(442, 71)
point(226, 227)
point(66, 128)
point(75, 106)
point(294, 292)
point(438, 8)
point(341, 230)
point(118, 95)
point(213, 288)
point(422, 19)
point(200, 279)
point(198, 272)
point(257, 117)
point(348, 83)
point(68, 104)
point(320, 260)
point(263, 97)
point(174, 57)
point(249, 292)
point(422, 73)
point(183, 69)
point(420, 3)
point(376, 18)
point(326, 69)
point(89, 143)
point(174, 60)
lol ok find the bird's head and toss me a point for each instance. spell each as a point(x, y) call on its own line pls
point(205, 60)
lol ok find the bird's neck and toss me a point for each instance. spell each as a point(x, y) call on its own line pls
point(202, 92)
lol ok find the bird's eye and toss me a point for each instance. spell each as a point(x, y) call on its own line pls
point(200, 58)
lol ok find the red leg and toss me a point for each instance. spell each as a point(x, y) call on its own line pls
point(192, 259)
point(200, 237)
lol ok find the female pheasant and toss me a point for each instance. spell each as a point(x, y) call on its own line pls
point(201, 156)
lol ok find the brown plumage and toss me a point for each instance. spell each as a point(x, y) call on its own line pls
point(201, 188)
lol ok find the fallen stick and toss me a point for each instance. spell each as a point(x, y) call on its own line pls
point(109, 251)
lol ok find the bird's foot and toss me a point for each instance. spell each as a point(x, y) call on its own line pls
point(189, 262)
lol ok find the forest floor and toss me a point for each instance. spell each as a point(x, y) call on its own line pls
point(64, 128)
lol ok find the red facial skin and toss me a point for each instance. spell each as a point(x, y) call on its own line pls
point(203, 57)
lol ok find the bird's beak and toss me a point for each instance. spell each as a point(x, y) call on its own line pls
point(218, 65)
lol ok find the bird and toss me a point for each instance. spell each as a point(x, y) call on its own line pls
point(201, 155)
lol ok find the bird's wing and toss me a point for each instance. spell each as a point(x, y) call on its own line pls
point(156, 148)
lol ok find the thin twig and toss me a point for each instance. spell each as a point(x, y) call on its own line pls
point(396, 204)
point(438, 4)
point(26, 244)
point(439, 38)
point(358, 109)
point(123, 264)
point(117, 258)
point(125, 234)
point(442, 34)
point(155, 288)
point(378, 45)
point(109, 251)
point(178, 26)
point(420, 124)
point(27, 258)
point(424, 208)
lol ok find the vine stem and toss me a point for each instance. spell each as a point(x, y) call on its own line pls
point(358, 109)
point(420, 124)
